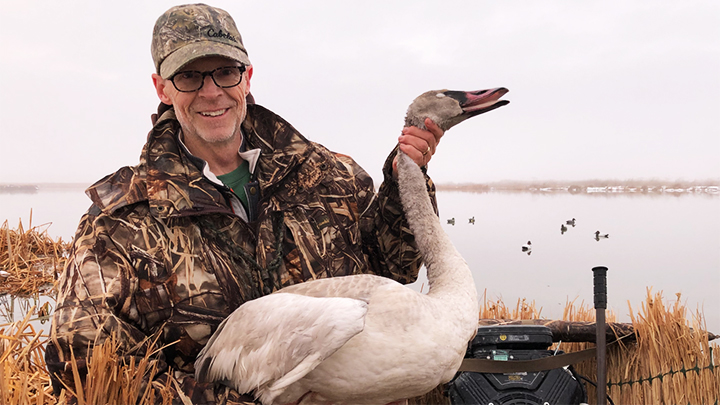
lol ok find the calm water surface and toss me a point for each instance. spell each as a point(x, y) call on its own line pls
point(669, 243)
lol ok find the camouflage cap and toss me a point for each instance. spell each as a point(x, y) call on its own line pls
point(188, 32)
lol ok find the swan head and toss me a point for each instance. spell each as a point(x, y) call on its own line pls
point(448, 108)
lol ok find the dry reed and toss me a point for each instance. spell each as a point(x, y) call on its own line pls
point(111, 379)
point(670, 362)
point(29, 259)
point(23, 376)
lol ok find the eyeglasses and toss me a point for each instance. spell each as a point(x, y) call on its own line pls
point(192, 80)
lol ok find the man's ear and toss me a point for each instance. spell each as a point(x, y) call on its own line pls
point(248, 73)
point(161, 88)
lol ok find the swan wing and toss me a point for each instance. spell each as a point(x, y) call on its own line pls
point(273, 341)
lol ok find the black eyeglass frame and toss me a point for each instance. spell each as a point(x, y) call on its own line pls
point(210, 73)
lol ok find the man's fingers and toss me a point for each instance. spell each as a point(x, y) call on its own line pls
point(419, 144)
point(423, 141)
point(434, 129)
point(416, 155)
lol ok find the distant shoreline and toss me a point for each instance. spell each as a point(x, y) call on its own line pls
point(30, 188)
point(597, 187)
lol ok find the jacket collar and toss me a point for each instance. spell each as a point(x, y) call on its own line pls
point(173, 185)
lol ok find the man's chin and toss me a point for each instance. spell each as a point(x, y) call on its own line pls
point(216, 139)
point(217, 136)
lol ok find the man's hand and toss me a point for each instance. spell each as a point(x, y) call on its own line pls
point(419, 144)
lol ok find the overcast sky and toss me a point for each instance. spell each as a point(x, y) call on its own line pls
point(598, 89)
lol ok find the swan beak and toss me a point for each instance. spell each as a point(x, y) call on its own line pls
point(481, 101)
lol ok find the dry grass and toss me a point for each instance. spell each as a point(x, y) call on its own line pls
point(114, 380)
point(24, 378)
point(672, 358)
point(29, 259)
point(498, 310)
point(671, 361)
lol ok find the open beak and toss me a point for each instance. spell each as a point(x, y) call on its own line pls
point(481, 101)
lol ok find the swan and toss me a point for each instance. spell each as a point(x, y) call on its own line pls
point(361, 339)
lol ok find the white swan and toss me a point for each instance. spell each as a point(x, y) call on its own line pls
point(361, 339)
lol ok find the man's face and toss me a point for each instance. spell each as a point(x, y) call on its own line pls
point(211, 115)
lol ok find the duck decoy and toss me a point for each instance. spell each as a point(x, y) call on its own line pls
point(527, 247)
point(361, 339)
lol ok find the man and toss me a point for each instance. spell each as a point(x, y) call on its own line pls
point(228, 203)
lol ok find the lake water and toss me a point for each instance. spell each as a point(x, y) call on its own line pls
point(668, 242)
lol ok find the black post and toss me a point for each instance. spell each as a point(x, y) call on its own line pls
point(600, 291)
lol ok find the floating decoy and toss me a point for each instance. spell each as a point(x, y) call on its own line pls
point(527, 247)
point(472, 220)
point(451, 221)
point(599, 236)
point(361, 339)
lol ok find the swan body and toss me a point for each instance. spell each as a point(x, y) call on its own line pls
point(361, 339)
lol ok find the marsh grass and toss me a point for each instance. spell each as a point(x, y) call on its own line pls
point(29, 259)
point(23, 376)
point(111, 379)
point(672, 362)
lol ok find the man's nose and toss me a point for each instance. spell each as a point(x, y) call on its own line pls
point(209, 87)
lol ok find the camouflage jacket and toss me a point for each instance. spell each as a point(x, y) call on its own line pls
point(161, 253)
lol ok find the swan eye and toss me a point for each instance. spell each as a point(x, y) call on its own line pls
point(440, 95)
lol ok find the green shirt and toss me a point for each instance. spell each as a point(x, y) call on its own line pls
point(236, 180)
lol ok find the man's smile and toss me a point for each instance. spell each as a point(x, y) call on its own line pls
point(215, 113)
